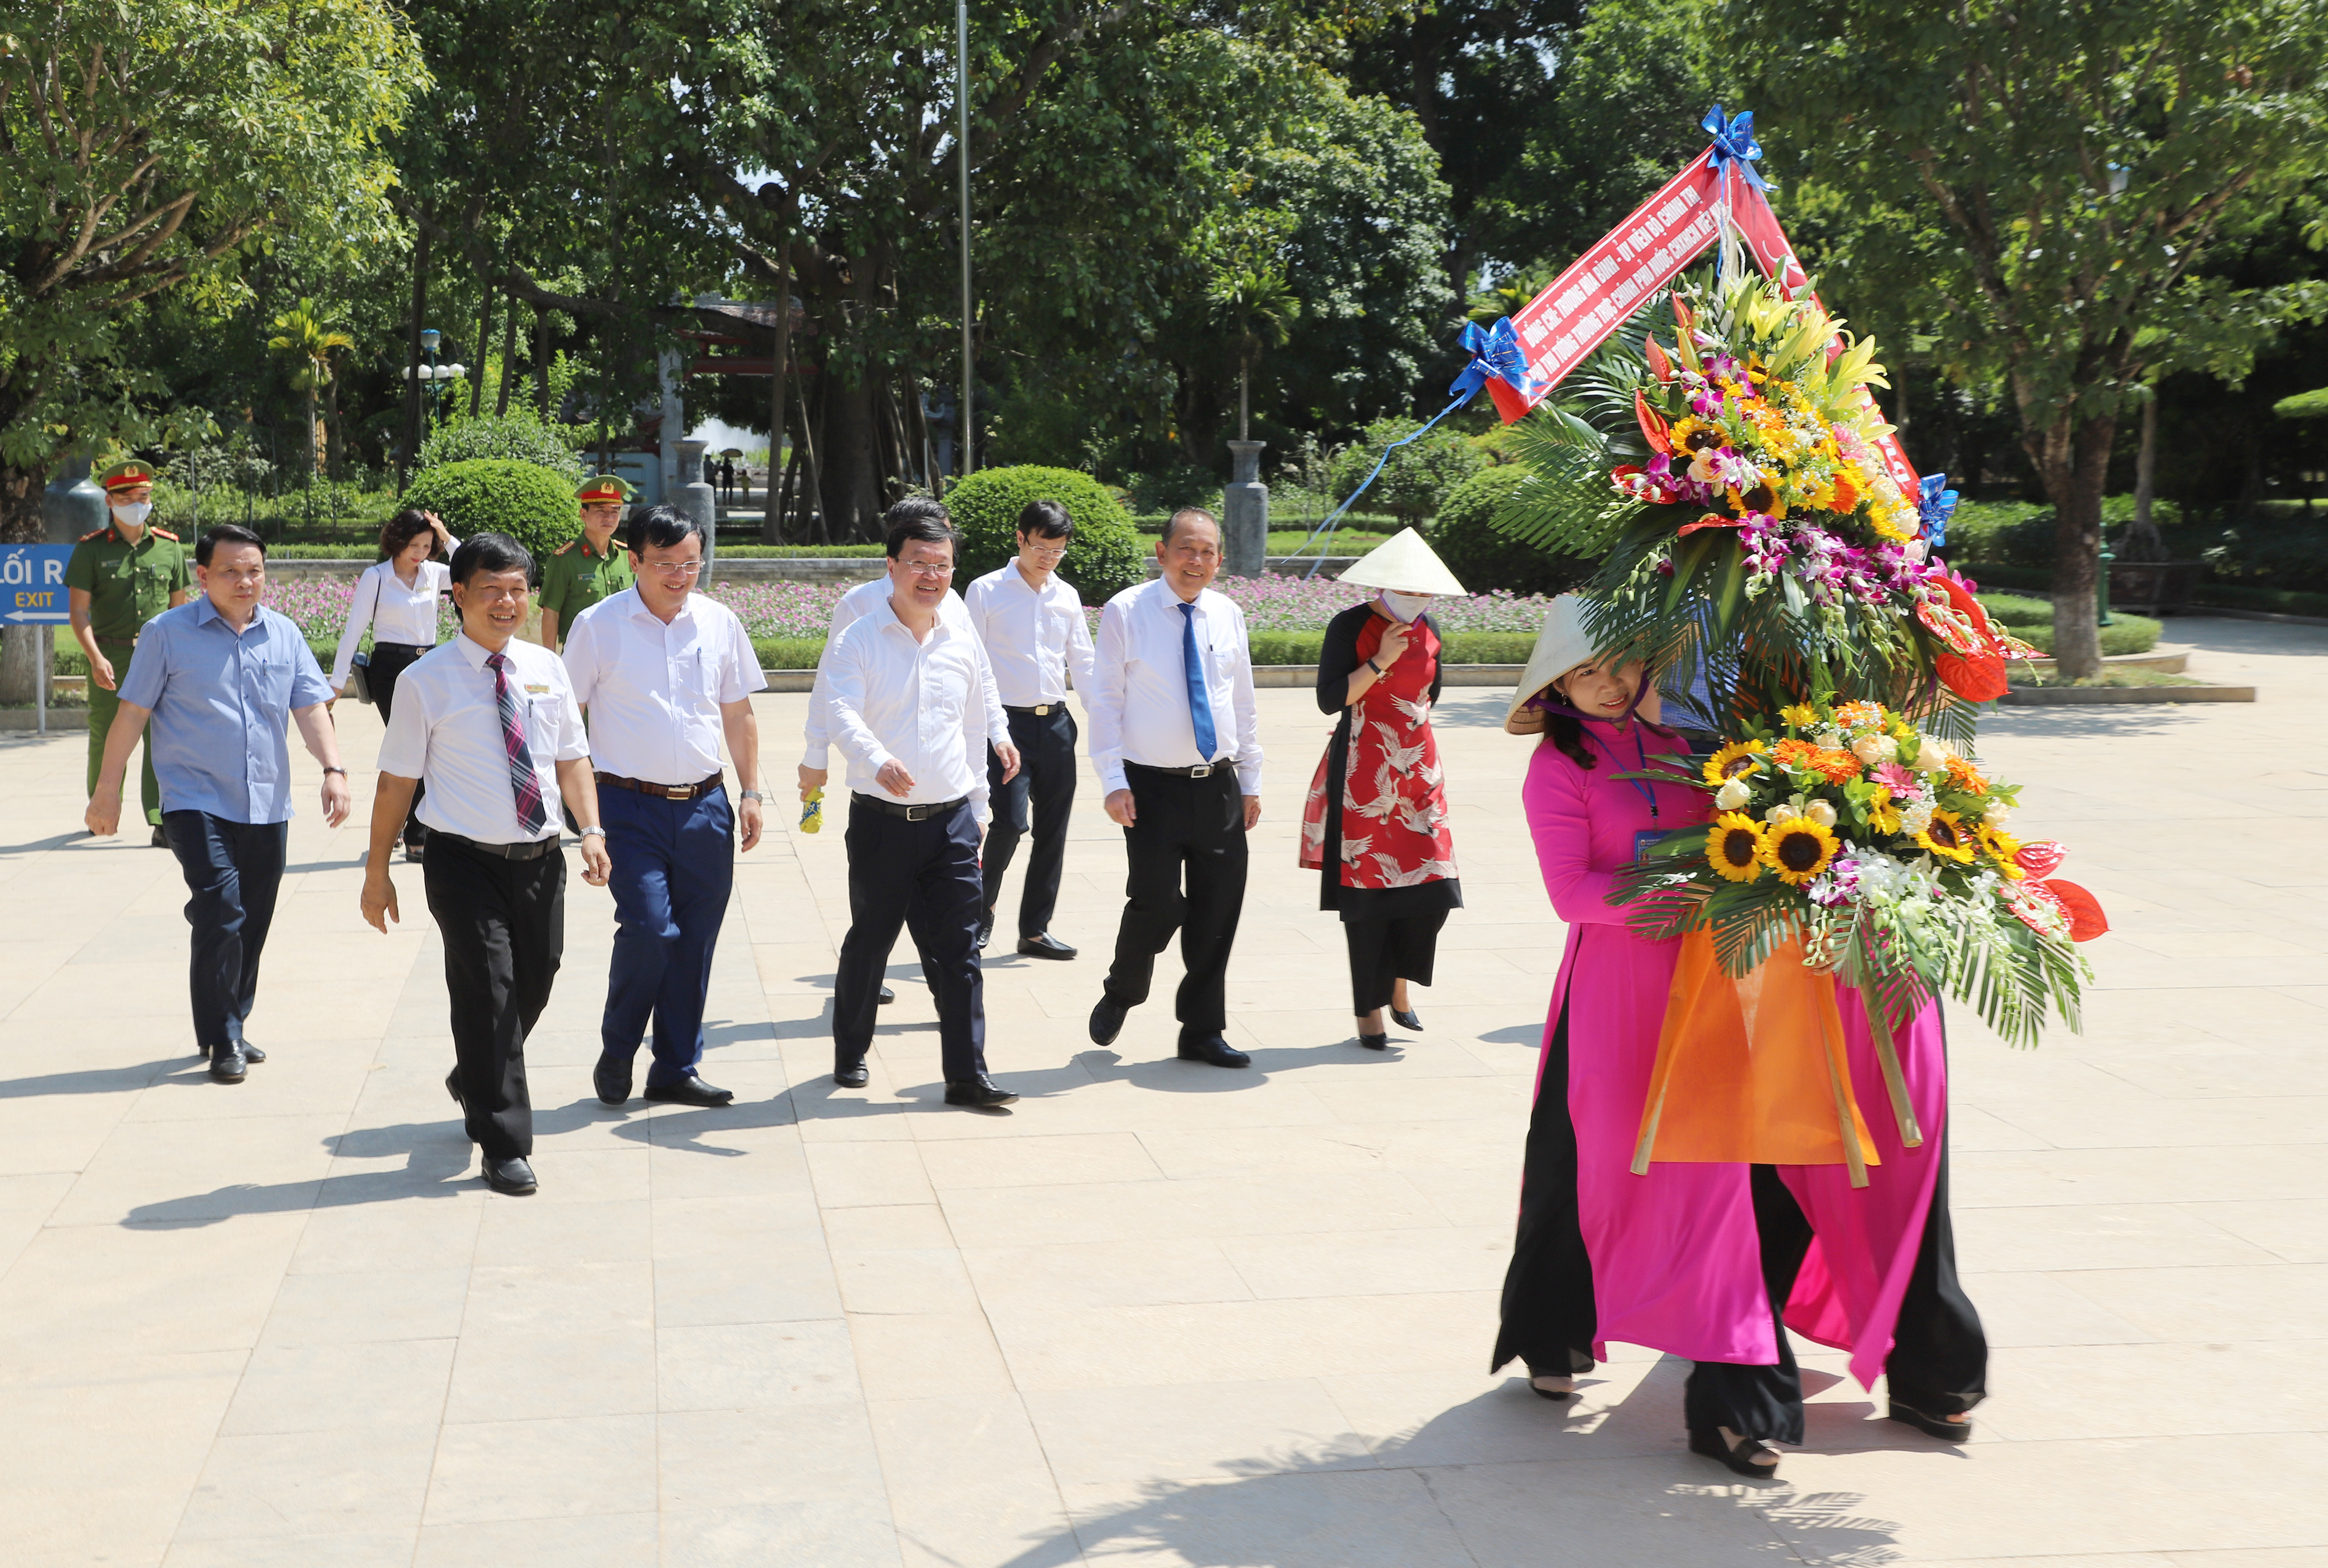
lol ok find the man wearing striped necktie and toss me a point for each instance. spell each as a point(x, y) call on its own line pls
point(491, 722)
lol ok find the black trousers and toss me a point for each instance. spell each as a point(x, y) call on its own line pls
point(233, 871)
point(1191, 829)
point(1549, 1317)
point(922, 875)
point(1384, 952)
point(503, 923)
point(1041, 797)
point(388, 661)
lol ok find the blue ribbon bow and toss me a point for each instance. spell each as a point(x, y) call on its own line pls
point(1935, 507)
point(1735, 146)
point(1494, 353)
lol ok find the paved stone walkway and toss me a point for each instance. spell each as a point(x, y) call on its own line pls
point(1161, 1313)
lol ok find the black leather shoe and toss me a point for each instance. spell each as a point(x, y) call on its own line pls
point(1373, 1042)
point(513, 1176)
point(1409, 1019)
point(227, 1065)
point(1107, 1022)
point(160, 840)
point(1044, 946)
point(852, 1075)
point(1213, 1050)
point(453, 1087)
point(981, 1091)
point(985, 930)
point(888, 996)
point(611, 1078)
point(250, 1053)
point(689, 1091)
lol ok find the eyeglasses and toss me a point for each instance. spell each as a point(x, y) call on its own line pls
point(675, 569)
point(927, 568)
point(1043, 552)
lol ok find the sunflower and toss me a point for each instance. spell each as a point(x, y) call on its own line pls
point(2000, 846)
point(1801, 716)
point(1695, 438)
point(1884, 813)
point(1946, 837)
point(1797, 849)
point(1738, 758)
point(1760, 496)
point(1734, 845)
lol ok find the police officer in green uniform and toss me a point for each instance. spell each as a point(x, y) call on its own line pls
point(590, 568)
point(120, 578)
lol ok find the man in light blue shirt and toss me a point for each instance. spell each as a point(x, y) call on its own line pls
point(218, 677)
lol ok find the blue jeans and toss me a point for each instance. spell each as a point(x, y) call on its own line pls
point(233, 870)
point(674, 866)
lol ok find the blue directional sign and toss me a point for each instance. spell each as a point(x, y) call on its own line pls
point(33, 583)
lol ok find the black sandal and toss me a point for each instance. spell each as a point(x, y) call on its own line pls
point(1551, 1394)
point(1937, 1426)
point(1740, 1459)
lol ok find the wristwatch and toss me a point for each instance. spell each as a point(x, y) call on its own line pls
point(759, 795)
point(340, 771)
point(593, 828)
point(1374, 667)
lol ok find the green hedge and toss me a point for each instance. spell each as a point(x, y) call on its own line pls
point(1482, 556)
point(2275, 601)
point(1460, 648)
point(532, 504)
point(1106, 556)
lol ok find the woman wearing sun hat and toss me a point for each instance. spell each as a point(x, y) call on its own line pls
point(1668, 1260)
point(1374, 827)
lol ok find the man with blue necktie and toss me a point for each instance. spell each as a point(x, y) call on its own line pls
point(1175, 740)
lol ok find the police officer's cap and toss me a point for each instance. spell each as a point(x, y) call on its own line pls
point(600, 488)
point(125, 475)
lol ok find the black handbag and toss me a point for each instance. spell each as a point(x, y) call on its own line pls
point(360, 678)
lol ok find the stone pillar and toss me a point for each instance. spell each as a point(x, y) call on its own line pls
point(669, 372)
point(693, 496)
point(1244, 505)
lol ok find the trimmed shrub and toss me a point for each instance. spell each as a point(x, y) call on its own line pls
point(532, 504)
point(515, 439)
point(1106, 556)
point(2015, 611)
point(1167, 490)
point(1459, 647)
point(1482, 557)
point(1417, 480)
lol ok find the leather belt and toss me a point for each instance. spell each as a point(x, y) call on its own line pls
point(914, 813)
point(1040, 709)
point(1204, 770)
point(694, 792)
point(415, 648)
point(531, 850)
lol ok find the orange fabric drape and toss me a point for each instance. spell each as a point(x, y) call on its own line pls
point(1751, 1070)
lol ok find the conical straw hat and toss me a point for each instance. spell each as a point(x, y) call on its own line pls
point(1405, 564)
point(1562, 644)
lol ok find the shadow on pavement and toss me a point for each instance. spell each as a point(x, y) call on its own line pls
point(1542, 1499)
point(102, 1080)
point(437, 1164)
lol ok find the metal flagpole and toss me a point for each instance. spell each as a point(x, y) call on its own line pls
point(961, 141)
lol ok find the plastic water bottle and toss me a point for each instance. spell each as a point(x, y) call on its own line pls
point(813, 813)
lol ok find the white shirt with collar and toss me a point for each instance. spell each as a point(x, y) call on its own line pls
point(1033, 640)
point(395, 613)
point(929, 704)
point(1138, 697)
point(654, 689)
point(447, 730)
point(818, 731)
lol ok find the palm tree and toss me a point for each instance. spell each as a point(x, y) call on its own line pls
point(301, 336)
point(1253, 301)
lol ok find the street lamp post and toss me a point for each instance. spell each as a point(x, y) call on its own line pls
point(429, 338)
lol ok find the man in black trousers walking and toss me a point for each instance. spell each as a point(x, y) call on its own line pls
point(1175, 739)
point(490, 722)
point(911, 709)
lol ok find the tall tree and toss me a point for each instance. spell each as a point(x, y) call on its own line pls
point(2041, 183)
point(146, 149)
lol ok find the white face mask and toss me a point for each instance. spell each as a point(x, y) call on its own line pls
point(133, 513)
point(1405, 606)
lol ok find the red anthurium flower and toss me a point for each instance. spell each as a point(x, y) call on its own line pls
point(1661, 365)
point(1654, 429)
point(2041, 857)
point(2086, 920)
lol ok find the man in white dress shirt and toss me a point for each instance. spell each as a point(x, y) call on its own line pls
point(664, 672)
point(1175, 740)
point(490, 722)
point(1032, 624)
point(912, 712)
point(815, 734)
